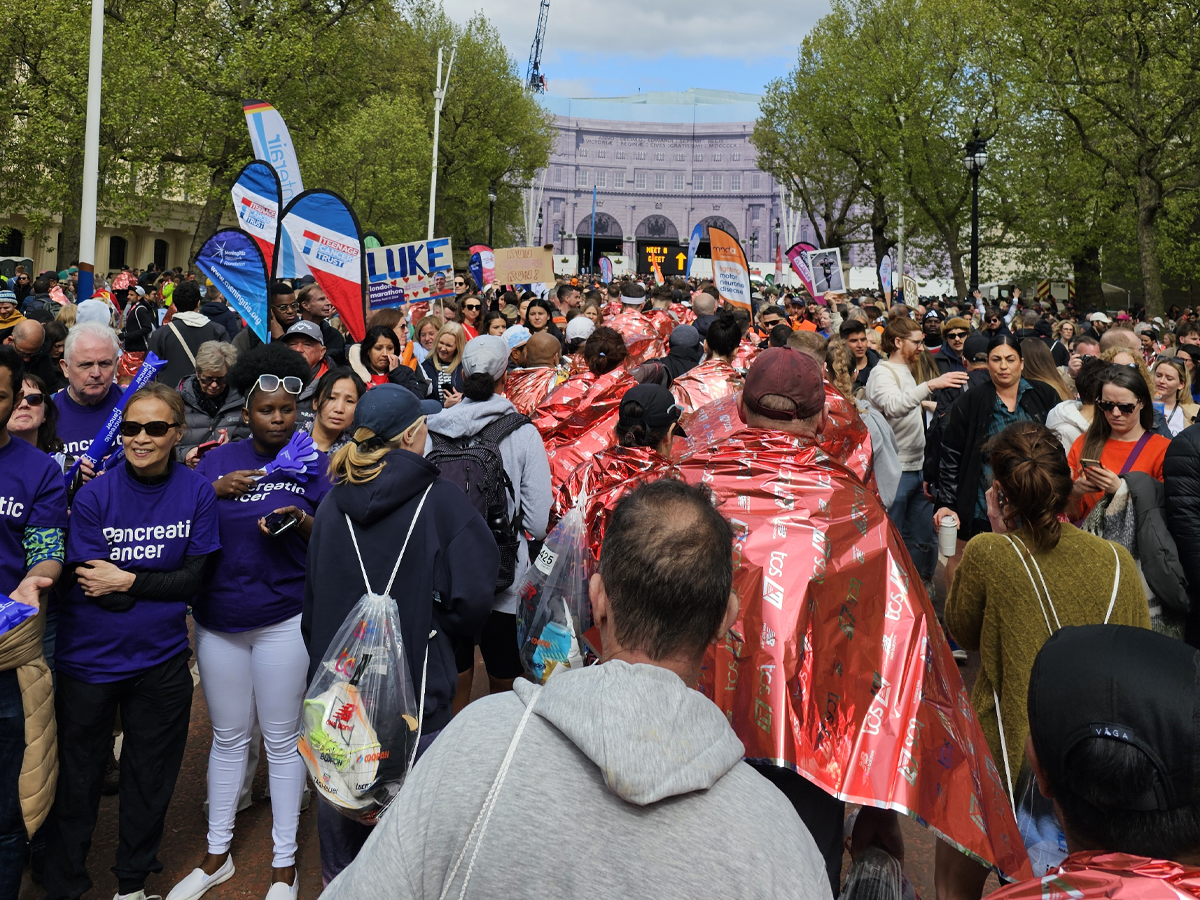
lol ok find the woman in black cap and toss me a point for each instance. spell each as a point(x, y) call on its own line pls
point(385, 486)
point(648, 421)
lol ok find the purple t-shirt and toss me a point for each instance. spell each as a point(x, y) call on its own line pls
point(32, 495)
point(78, 424)
point(139, 528)
point(258, 580)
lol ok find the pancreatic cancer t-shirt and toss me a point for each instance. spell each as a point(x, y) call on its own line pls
point(32, 495)
point(139, 528)
point(78, 425)
point(257, 579)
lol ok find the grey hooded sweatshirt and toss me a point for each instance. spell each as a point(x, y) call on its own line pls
point(525, 461)
point(625, 783)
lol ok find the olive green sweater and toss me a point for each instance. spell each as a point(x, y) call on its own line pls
point(992, 608)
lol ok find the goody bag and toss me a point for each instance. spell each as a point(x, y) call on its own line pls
point(553, 610)
point(361, 719)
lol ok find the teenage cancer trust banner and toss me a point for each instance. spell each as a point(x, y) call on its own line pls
point(325, 234)
point(256, 202)
point(731, 275)
point(416, 272)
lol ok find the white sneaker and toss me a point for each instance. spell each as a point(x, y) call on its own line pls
point(281, 891)
point(197, 882)
point(140, 895)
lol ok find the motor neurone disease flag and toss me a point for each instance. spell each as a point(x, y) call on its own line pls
point(233, 262)
point(256, 203)
point(271, 141)
point(487, 263)
point(731, 275)
point(324, 233)
point(797, 255)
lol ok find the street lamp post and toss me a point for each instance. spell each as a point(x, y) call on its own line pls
point(491, 210)
point(777, 247)
point(975, 159)
point(539, 227)
point(754, 246)
point(562, 240)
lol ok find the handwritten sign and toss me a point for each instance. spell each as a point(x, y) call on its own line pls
point(524, 265)
point(416, 272)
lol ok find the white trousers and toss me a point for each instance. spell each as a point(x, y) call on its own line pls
point(243, 673)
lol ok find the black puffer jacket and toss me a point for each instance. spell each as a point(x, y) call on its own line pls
point(201, 426)
point(960, 466)
point(1181, 481)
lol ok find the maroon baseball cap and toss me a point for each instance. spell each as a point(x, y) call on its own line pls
point(786, 373)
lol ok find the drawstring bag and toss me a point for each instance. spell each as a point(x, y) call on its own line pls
point(1038, 823)
point(553, 609)
point(361, 721)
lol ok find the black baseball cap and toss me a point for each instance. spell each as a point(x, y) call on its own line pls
point(975, 348)
point(1119, 683)
point(659, 409)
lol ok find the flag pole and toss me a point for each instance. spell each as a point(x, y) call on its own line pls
point(439, 97)
point(91, 156)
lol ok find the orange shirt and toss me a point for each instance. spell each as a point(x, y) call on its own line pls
point(805, 325)
point(1113, 457)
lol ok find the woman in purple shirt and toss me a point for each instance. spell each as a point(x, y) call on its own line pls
point(253, 661)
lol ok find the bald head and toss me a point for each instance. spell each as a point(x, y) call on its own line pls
point(1122, 338)
point(704, 304)
point(27, 338)
point(542, 350)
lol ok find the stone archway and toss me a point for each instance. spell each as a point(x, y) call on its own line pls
point(606, 226)
point(722, 223)
point(656, 228)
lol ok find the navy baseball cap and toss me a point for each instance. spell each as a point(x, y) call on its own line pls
point(389, 410)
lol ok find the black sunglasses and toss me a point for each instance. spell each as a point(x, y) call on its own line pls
point(1108, 406)
point(472, 306)
point(33, 399)
point(154, 429)
point(956, 335)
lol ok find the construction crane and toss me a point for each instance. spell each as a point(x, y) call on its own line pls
point(535, 81)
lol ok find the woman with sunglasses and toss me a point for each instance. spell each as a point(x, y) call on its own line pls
point(469, 310)
point(1121, 439)
point(35, 420)
point(1173, 390)
point(248, 642)
point(139, 540)
point(214, 409)
point(464, 285)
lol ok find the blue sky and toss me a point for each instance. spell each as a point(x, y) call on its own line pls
point(682, 43)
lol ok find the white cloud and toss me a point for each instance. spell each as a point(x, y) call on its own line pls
point(712, 28)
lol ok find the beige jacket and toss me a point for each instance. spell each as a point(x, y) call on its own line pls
point(21, 649)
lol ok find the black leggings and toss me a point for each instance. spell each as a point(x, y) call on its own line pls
point(498, 645)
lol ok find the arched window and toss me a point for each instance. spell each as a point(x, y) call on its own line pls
point(117, 248)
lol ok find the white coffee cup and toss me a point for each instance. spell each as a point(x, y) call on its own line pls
point(948, 536)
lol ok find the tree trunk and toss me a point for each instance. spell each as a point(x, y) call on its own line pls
point(217, 203)
point(68, 247)
point(956, 267)
point(1085, 265)
point(879, 238)
point(1149, 202)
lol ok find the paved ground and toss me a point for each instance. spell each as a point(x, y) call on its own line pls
point(184, 839)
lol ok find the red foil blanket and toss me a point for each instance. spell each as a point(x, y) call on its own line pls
point(664, 323)
point(526, 388)
point(709, 381)
point(1096, 876)
point(606, 478)
point(641, 337)
point(745, 353)
point(837, 667)
point(578, 418)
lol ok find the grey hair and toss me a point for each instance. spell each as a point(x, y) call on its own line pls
point(96, 330)
point(212, 356)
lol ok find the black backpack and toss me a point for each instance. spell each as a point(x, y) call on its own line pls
point(476, 466)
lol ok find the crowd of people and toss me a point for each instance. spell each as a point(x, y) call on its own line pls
point(1039, 465)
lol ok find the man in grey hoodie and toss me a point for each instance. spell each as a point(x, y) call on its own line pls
point(618, 780)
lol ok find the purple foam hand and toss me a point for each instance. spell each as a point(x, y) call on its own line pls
point(297, 459)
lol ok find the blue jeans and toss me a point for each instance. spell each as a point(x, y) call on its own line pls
point(912, 513)
point(13, 839)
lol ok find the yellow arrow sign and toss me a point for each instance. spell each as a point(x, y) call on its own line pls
point(681, 260)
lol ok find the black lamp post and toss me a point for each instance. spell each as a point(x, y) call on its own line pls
point(539, 227)
point(491, 210)
point(975, 159)
point(777, 234)
point(754, 246)
point(562, 240)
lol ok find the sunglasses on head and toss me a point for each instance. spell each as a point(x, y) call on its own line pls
point(1109, 405)
point(154, 429)
point(272, 383)
point(956, 335)
point(33, 399)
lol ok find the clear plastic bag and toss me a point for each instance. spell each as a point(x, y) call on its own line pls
point(553, 611)
point(1041, 830)
point(875, 875)
point(360, 724)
